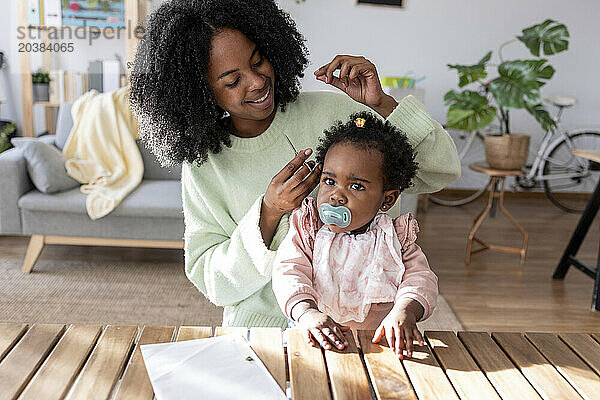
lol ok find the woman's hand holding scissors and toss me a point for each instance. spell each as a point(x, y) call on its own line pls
point(291, 185)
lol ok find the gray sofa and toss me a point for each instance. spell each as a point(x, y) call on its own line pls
point(150, 216)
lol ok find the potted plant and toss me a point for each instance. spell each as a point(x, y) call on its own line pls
point(41, 85)
point(7, 131)
point(517, 86)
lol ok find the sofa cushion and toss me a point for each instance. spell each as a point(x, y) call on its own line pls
point(64, 123)
point(152, 198)
point(45, 165)
point(153, 170)
point(110, 226)
point(49, 139)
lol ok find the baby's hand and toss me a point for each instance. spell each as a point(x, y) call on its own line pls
point(400, 328)
point(321, 328)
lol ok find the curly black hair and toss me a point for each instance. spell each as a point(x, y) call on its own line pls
point(399, 166)
point(170, 95)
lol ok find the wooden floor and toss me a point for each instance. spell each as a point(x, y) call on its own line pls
point(494, 293)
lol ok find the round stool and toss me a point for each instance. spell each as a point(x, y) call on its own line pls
point(496, 192)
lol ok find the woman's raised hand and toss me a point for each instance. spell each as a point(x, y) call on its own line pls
point(358, 79)
point(289, 187)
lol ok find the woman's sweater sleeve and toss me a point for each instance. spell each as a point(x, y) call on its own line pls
point(225, 268)
point(435, 150)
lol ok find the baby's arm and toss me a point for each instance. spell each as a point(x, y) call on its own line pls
point(292, 267)
point(418, 283)
point(400, 327)
point(293, 285)
point(417, 292)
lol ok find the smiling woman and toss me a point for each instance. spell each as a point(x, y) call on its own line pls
point(215, 86)
point(247, 91)
point(187, 47)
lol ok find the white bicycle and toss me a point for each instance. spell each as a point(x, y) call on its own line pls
point(567, 180)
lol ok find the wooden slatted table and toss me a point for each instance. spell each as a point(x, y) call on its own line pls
point(54, 361)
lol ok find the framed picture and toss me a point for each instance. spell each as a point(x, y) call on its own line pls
point(392, 3)
point(94, 13)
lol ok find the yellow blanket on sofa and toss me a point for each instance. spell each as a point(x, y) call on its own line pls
point(101, 151)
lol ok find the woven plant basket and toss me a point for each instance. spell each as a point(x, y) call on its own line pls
point(506, 151)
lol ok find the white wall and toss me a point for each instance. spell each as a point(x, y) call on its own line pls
point(423, 37)
point(428, 34)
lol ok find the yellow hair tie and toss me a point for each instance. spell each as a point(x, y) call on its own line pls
point(360, 122)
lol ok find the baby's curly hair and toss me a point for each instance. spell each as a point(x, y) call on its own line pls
point(170, 95)
point(399, 166)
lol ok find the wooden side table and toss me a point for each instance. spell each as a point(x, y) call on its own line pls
point(496, 192)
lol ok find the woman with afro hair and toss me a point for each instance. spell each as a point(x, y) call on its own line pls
point(216, 86)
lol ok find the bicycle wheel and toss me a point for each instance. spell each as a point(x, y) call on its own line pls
point(471, 184)
point(570, 180)
point(456, 197)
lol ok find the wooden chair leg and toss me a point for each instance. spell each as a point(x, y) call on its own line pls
point(515, 223)
point(36, 244)
point(478, 220)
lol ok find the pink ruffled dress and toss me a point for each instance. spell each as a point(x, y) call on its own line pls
point(355, 279)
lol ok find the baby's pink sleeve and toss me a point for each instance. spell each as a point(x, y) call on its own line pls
point(292, 268)
point(418, 282)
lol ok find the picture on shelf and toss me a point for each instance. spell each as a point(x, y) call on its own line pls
point(94, 13)
point(394, 3)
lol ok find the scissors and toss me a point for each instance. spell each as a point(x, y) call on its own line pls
point(296, 151)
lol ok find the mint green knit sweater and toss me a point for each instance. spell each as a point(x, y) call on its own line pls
point(225, 256)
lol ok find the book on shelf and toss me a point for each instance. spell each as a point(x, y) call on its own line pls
point(53, 86)
point(33, 12)
point(78, 89)
point(104, 75)
point(95, 75)
point(66, 86)
point(41, 7)
point(56, 86)
point(52, 12)
point(86, 82)
point(111, 74)
point(73, 86)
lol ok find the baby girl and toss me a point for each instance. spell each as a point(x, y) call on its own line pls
point(344, 265)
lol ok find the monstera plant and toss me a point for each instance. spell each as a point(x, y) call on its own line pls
point(517, 85)
point(7, 132)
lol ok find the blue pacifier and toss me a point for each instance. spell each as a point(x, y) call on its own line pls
point(339, 216)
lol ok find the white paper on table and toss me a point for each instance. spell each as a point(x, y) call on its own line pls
point(212, 368)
